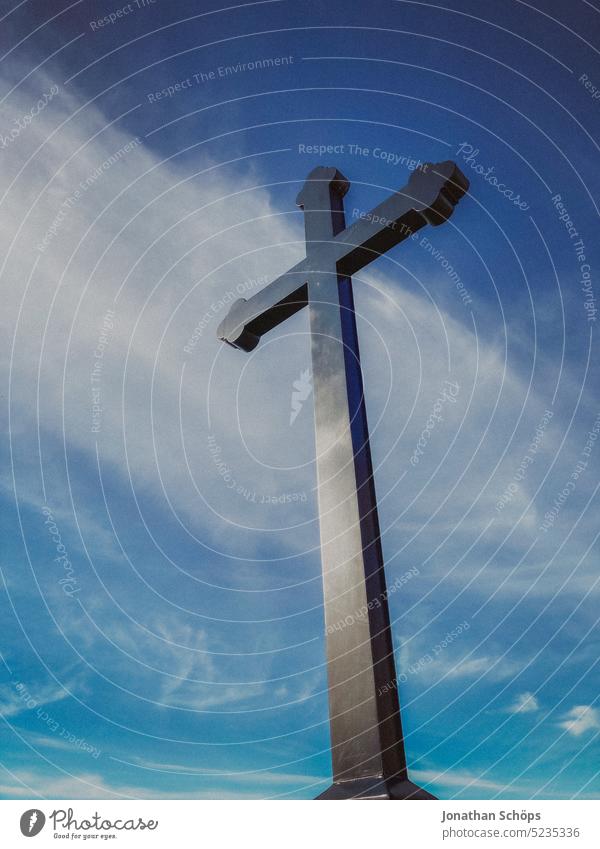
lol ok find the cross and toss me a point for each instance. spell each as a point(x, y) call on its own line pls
point(367, 745)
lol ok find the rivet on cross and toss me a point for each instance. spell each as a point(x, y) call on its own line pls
point(366, 733)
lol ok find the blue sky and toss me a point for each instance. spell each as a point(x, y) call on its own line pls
point(176, 649)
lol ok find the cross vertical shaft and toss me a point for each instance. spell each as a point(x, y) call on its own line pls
point(366, 734)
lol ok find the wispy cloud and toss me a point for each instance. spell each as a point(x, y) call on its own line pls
point(22, 783)
point(495, 667)
point(453, 778)
point(176, 664)
point(235, 776)
point(84, 785)
point(14, 701)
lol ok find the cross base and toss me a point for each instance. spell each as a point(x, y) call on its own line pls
point(375, 788)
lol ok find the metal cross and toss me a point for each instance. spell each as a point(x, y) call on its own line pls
point(366, 733)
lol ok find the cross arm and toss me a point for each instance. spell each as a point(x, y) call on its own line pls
point(429, 197)
point(248, 320)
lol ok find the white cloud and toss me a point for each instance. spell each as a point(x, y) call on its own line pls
point(580, 719)
point(525, 703)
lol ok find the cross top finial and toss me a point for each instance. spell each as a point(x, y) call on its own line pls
point(327, 176)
